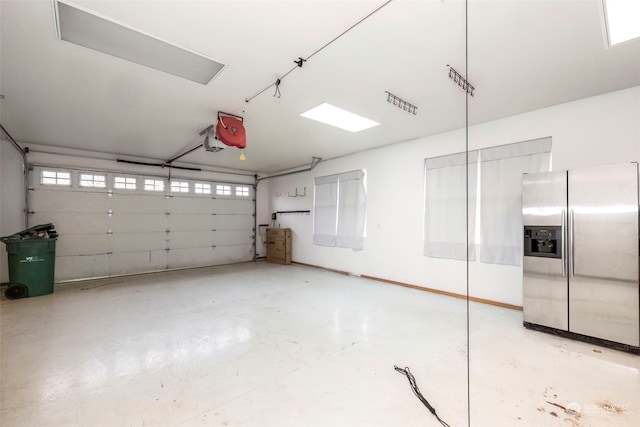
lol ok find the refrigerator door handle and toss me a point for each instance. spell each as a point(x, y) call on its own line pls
point(564, 243)
point(572, 246)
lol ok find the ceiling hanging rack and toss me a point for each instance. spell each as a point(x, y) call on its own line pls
point(462, 82)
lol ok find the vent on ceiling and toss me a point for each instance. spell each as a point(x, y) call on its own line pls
point(81, 27)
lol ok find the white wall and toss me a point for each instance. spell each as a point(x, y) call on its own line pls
point(11, 199)
point(594, 131)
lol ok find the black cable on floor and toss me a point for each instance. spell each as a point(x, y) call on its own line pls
point(416, 391)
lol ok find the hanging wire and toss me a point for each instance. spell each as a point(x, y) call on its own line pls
point(277, 93)
point(416, 391)
point(301, 60)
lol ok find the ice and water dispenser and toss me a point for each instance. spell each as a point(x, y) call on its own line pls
point(545, 242)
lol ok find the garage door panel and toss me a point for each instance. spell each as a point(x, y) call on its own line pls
point(190, 239)
point(181, 222)
point(82, 244)
point(126, 223)
point(230, 237)
point(76, 223)
point(232, 254)
point(138, 203)
point(234, 221)
point(74, 267)
point(233, 206)
point(178, 205)
point(69, 201)
point(179, 258)
point(138, 262)
point(131, 242)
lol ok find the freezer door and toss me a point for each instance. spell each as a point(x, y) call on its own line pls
point(603, 239)
point(545, 295)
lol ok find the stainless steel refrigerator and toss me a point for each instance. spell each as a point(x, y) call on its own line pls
point(581, 254)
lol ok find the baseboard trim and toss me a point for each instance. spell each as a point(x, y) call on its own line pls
point(420, 288)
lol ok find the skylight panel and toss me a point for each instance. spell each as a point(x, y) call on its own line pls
point(623, 20)
point(343, 119)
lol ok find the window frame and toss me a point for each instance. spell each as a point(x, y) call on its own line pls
point(225, 190)
point(56, 177)
point(180, 187)
point(202, 188)
point(239, 191)
point(125, 183)
point(92, 175)
point(157, 185)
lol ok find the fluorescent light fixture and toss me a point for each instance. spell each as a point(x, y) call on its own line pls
point(334, 116)
point(81, 27)
point(623, 20)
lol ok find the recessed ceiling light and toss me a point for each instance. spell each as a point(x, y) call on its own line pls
point(623, 20)
point(334, 116)
point(81, 27)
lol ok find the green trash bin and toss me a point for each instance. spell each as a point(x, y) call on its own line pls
point(31, 264)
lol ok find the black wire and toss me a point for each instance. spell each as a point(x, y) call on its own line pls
point(277, 82)
point(416, 391)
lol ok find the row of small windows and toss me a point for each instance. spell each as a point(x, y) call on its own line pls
point(131, 183)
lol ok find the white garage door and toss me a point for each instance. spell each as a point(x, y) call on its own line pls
point(112, 224)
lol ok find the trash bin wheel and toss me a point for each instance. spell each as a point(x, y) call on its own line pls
point(16, 291)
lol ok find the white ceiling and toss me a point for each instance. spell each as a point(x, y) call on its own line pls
point(522, 55)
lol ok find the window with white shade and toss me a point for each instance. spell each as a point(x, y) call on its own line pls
point(445, 219)
point(202, 188)
point(49, 177)
point(124, 183)
point(501, 191)
point(223, 190)
point(153, 185)
point(494, 183)
point(179, 186)
point(339, 210)
point(93, 180)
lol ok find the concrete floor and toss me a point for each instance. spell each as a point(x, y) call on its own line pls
point(266, 345)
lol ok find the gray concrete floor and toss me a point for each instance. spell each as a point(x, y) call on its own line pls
point(266, 345)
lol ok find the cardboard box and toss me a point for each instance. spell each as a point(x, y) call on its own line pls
point(279, 245)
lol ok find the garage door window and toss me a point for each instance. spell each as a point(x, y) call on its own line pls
point(153, 185)
point(124, 183)
point(179, 187)
point(92, 181)
point(202, 188)
point(50, 177)
point(223, 190)
point(242, 191)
